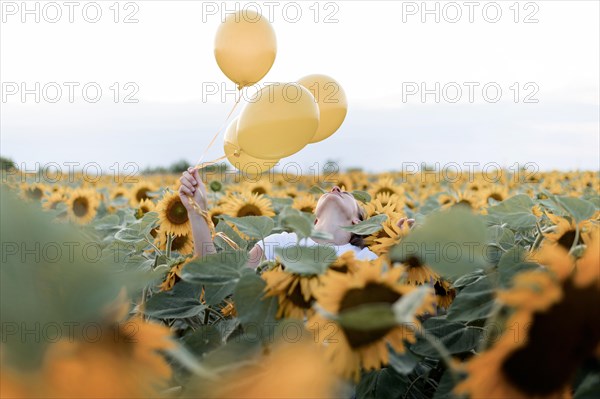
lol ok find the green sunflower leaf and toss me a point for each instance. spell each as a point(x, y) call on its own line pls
point(367, 227)
point(474, 302)
point(589, 387)
point(223, 227)
point(254, 226)
point(511, 263)
point(165, 305)
point(294, 220)
point(255, 313)
point(515, 211)
point(203, 340)
point(451, 242)
point(368, 316)
point(361, 196)
point(456, 337)
point(316, 190)
point(306, 260)
point(222, 268)
point(579, 209)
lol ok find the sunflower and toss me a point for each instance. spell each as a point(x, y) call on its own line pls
point(294, 292)
point(390, 235)
point(495, 192)
point(174, 274)
point(565, 231)
point(462, 198)
point(52, 201)
point(122, 360)
point(385, 185)
point(260, 187)
point(559, 299)
point(229, 309)
point(121, 364)
point(353, 349)
point(145, 206)
point(384, 203)
point(417, 272)
point(172, 214)
point(295, 369)
point(118, 192)
point(290, 191)
point(305, 203)
point(183, 244)
point(82, 205)
point(33, 192)
point(344, 182)
point(347, 263)
point(444, 293)
point(248, 204)
point(141, 191)
point(214, 213)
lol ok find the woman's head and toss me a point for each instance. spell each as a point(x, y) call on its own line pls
point(339, 208)
point(338, 204)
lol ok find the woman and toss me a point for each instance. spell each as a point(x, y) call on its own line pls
point(334, 209)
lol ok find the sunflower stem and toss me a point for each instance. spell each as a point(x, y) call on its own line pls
point(576, 240)
point(206, 314)
point(413, 382)
point(445, 355)
point(538, 239)
point(142, 302)
point(216, 312)
point(169, 243)
point(158, 251)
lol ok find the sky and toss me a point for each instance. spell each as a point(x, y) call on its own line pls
point(443, 83)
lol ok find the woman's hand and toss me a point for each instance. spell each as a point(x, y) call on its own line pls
point(192, 185)
point(409, 222)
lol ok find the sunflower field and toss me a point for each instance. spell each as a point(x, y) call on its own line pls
point(494, 292)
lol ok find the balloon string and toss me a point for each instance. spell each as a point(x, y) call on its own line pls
point(199, 164)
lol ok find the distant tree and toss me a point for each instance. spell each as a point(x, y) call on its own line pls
point(6, 163)
point(179, 166)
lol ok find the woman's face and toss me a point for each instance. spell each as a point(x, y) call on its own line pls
point(341, 202)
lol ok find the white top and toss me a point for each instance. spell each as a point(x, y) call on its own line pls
point(285, 239)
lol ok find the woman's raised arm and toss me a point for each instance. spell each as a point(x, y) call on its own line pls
point(192, 185)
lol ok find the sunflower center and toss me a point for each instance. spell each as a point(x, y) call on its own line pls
point(176, 212)
point(308, 209)
point(259, 190)
point(80, 206)
point(413, 261)
point(179, 242)
point(340, 268)
point(371, 293)
point(249, 210)
point(35, 193)
point(542, 367)
point(215, 218)
point(385, 190)
point(439, 289)
point(297, 298)
point(496, 196)
point(141, 194)
point(566, 240)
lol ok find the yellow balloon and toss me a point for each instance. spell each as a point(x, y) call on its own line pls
point(247, 164)
point(278, 121)
point(245, 47)
point(333, 105)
